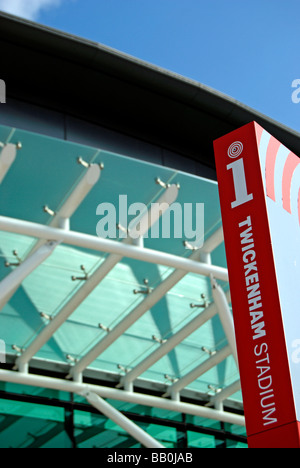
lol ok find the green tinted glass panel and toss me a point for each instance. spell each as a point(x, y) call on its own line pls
point(26, 425)
point(45, 172)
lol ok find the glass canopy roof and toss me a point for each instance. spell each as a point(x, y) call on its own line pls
point(45, 173)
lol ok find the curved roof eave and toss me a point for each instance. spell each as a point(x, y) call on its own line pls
point(191, 115)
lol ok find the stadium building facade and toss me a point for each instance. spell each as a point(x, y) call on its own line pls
point(113, 341)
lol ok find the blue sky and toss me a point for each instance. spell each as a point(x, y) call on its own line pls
point(247, 49)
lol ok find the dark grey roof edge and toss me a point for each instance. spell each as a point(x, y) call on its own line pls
point(145, 74)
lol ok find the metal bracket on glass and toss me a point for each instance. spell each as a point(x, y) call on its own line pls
point(19, 260)
point(17, 348)
point(161, 183)
point(170, 379)
point(17, 145)
point(122, 228)
point(158, 181)
point(214, 389)
point(208, 351)
point(83, 163)
point(158, 340)
point(46, 316)
point(70, 358)
point(123, 369)
point(143, 291)
point(189, 246)
point(48, 210)
point(103, 327)
point(203, 305)
point(81, 278)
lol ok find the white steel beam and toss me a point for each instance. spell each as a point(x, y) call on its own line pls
point(135, 314)
point(195, 373)
point(150, 300)
point(143, 223)
point(120, 395)
point(213, 241)
point(80, 192)
point(61, 219)
point(114, 415)
point(11, 282)
point(225, 316)
point(225, 393)
point(170, 344)
point(7, 158)
point(107, 245)
point(48, 331)
point(88, 286)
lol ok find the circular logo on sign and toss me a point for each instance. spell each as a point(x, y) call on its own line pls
point(235, 149)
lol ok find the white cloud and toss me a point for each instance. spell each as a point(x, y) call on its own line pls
point(29, 9)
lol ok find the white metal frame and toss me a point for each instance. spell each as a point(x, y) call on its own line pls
point(120, 395)
point(199, 262)
point(110, 412)
point(10, 283)
point(7, 158)
point(98, 244)
point(43, 247)
point(195, 373)
point(169, 344)
point(91, 283)
point(225, 316)
point(225, 393)
point(149, 301)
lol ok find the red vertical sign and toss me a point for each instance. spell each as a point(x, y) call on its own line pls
point(262, 350)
